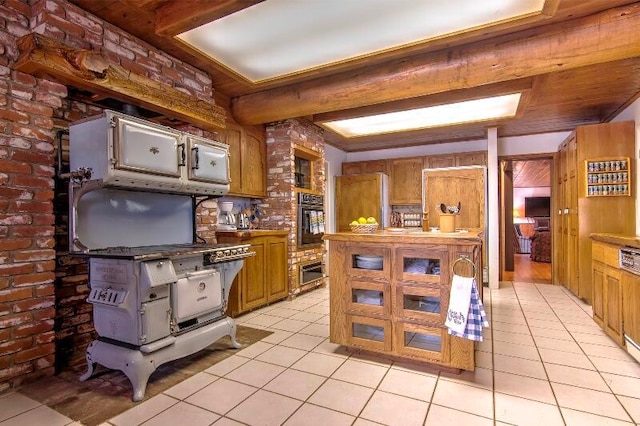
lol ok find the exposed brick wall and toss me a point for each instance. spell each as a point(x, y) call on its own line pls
point(44, 319)
point(281, 204)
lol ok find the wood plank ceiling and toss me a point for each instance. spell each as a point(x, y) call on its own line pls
point(577, 65)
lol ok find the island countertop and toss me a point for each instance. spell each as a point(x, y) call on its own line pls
point(472, 236)
point(617, 239)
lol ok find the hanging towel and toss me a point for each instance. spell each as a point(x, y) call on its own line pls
point(459, 301)
point(321, 222)
point(476, 319)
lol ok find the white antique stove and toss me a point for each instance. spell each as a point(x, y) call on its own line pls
point(157, 295)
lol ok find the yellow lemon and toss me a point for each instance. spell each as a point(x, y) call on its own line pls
point(362, 220)
point(355, 222)
point(371, 220)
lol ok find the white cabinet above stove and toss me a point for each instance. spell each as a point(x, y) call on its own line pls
point(129, 152)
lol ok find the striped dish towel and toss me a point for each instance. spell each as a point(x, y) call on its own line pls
point(476, 319)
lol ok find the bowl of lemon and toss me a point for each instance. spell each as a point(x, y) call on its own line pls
point(364, 225)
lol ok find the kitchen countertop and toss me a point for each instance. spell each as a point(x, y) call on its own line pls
point(617, 239)
point(410, 236)
point(249, 233)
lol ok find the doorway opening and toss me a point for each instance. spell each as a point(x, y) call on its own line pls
point(525, 204)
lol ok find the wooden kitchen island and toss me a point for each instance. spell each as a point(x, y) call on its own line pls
point(389, 292)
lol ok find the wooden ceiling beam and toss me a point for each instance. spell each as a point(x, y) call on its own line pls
point(89, 70)
point(603, 37)
point(178, 16)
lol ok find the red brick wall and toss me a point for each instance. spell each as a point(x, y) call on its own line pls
point(280, 204)
point(44, 319)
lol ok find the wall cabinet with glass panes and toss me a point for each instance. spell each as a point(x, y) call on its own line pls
point(392, 298)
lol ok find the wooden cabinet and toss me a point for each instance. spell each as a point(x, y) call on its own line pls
point(360, 167)
point(264, 277)
point(390, 294)
point(405, 180)
point(575, 215)
point(247, 160)
point(607, 291)
point(475, 158)
point(631, 305)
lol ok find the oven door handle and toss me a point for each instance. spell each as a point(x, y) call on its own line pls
point(201, 273)
point(183, 154)
point(196, 158)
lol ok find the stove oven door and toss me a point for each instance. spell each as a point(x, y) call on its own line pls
point(145, 149)
point(209, 161)
point(198, 293)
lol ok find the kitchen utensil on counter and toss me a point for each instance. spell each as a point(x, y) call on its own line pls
point(226, 219)
point(242, 219)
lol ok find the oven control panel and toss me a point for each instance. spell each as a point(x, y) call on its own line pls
point(630, 260)
point(227, 254)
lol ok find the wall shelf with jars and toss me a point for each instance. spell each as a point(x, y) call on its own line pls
point(608, 177)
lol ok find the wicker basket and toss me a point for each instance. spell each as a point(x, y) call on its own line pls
point(364, 228)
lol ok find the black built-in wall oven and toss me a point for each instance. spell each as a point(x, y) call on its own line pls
point(310, 219)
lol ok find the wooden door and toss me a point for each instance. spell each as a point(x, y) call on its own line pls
point(253, 293)
point(613, 309)
point(277, 278)
point(405, 180)
point(631, 305)
point(454, 185)
point(358, 196)
point(254, 169)
point(232, 136)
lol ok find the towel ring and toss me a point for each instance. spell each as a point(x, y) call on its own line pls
point(463, 259)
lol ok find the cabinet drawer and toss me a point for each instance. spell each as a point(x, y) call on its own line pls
point(369, 333)
point(422, 303)
point(425, 265)
point(421, 341)
point(372, 298)
point(605, 253)
point(368, 261)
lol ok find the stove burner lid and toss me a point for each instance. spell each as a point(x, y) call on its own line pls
point(212, 253)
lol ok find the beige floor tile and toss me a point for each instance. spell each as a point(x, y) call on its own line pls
point(606, 352)
point(579, 418)
point(341, 396)
point(302, 341)
point(325, 319)
point(277, 336)
point(523, 367)
point(264, 408)
point(524, 387)
point(371, 358)
point(542, 316)
point(362, 422)
point(511, 319)
point(41, 415)
point(224, 421)
point(576, 377)
point(623, 385)
point(551, 333)
point(590, 401)
point(464, 398)
point(523, 412)
point(415, 368)
point(254, 350)
point(584, 328)
point(546, 324)
point(281, 355)
point(283, 312)
point(319, 309)
point(295, 384)
point(480, 378)
point(395, 410)
point(565, 358)
point(596, 339)
point(291, 325)
point(14, 403)
point(515, 350)
point(328, 348)
point(141, 412)
point(264, 320)
point(318, 363)
point(411, 385)
point(312, 415)
point(614, 366)
point(511, 328)
point(484, 360)
point(558, 345)
point(632, 405)
point(307, 316)
point(226, 365)
point(221, 396)
point(183, 413)
point(360, 373)
point(485, 346)
point(443, 416)
point(255, 373)
point(517, 338)
point(321, 330)
point(190, 386)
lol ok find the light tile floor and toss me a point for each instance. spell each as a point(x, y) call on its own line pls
point(543, 362)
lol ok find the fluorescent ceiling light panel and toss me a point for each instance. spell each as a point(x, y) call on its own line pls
point(423, 118)
point(276, 38)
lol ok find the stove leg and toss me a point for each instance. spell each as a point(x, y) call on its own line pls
point(139, 376)
point(232, 335)
point(91, 365)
